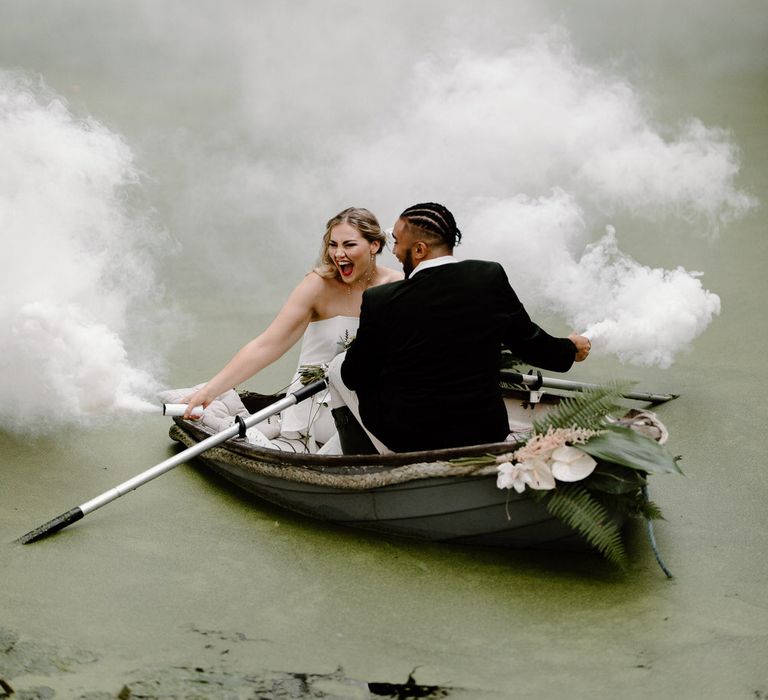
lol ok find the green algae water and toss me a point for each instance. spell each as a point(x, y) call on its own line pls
point(167, 173)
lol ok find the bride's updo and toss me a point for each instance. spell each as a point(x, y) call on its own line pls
point(362, 221)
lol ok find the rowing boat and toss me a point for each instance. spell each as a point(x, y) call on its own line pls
point(448, 495)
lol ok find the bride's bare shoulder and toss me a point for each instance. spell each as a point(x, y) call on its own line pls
point(322, 286)
point(390, 275)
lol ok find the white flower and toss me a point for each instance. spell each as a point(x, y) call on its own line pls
point(509, 477)
point(534, 473)
point(538, 474)
point(571, 464)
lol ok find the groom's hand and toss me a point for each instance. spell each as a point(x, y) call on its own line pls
point(583, 346)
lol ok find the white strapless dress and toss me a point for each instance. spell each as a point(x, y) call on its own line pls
point(311, 418)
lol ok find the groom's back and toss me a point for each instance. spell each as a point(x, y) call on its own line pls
point(439, 342)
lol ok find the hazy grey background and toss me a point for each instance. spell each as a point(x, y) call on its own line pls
point(159, 153)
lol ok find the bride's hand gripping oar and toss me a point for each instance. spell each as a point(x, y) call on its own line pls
point(239, 428)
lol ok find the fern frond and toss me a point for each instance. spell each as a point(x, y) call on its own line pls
point(631, 504)
point(577, 508)
point(584, 410)
point(649, 510)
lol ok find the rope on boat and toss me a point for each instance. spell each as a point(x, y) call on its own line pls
point(641, 421)
point(652, 540)
point(386, 477)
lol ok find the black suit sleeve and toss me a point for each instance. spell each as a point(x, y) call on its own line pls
point(530, 342)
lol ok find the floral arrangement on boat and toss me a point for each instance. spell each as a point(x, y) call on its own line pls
point(585, 465)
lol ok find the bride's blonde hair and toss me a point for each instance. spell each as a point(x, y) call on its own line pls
point(364, 222)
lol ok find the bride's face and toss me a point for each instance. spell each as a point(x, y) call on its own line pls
point(350, 252)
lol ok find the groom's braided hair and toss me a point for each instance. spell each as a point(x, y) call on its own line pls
point(434, 219)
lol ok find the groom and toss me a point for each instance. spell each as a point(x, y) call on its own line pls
point(423, 370)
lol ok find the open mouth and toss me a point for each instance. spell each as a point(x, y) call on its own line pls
point(345, 268)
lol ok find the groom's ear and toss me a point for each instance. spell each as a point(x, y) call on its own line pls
point(420, 250)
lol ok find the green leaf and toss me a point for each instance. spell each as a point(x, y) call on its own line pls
point(614, 478)
point(578, 509)
point(631, 449)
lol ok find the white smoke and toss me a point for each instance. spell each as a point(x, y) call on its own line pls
point(533, 150)
point(291, 115)
point(647, 315)
point(75, 263)
point(534, 118)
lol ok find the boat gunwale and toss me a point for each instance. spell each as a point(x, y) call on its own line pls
point(343, 463)
point(367, 463)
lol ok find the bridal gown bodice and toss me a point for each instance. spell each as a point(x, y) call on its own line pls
point(322, 341)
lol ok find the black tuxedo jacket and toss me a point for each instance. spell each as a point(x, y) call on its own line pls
point(425, 362)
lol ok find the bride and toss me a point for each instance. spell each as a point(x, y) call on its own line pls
point(324, 309)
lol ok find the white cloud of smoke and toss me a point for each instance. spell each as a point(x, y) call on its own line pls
point(532, 149)
point(270, 118)
point(74, 263)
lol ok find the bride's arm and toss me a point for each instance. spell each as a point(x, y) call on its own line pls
point(279, 337)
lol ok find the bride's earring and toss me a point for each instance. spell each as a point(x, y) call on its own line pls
point(372, 267)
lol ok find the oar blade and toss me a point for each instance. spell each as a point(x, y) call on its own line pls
point(76, 514)
point(58, 523)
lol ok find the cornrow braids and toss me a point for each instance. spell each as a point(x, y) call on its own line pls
point(435, 219)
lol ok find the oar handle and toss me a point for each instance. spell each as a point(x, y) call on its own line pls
point(308, 390)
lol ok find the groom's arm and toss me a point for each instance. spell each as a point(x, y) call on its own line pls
point(528, 340)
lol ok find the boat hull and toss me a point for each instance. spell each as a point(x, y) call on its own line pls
point(372, 492)
point(467, 510)
point(447, 495)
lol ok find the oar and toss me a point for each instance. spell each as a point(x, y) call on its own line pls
point(239, 428)
point(536, 381)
